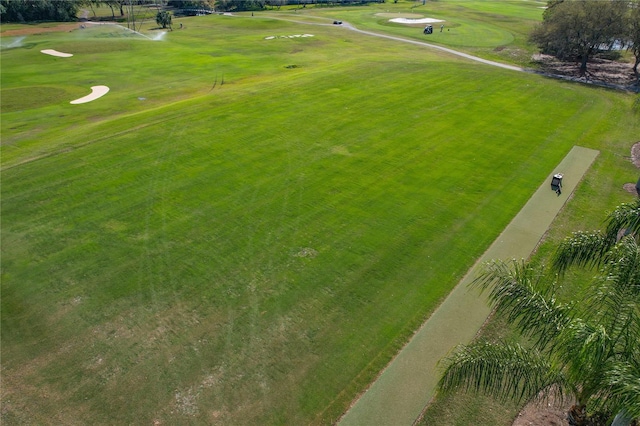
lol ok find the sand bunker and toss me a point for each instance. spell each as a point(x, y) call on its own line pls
point(415, 21)
point(56, 53)
point(96, 92)
point(290, 36)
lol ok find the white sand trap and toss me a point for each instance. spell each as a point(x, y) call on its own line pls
point(56, 53)
point(96, 92)
point(290, 36)
point(415, 21)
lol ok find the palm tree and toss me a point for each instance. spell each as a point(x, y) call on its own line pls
point(163, 18)
point(587, 348)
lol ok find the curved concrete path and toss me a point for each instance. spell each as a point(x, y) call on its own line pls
point(434, 46)
point(408, 383)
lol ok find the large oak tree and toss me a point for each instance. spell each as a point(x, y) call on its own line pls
point(576, 29)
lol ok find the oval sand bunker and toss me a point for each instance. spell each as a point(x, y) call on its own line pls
point(96, 92)
point(56, 53)
point(416, 21)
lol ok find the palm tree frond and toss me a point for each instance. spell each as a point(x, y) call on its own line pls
point(506, 371)
point(589, 347)
point(625, 216)
point(621, 266)
point(583, 347)
point(582, 249)
point(623, 380)
point(522, 293)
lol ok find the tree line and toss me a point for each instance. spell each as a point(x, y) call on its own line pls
point(40, 10)
point(25, 11)
point(245, 5)
point(66, 10)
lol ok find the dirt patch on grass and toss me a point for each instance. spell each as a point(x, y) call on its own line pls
point(599, 71)
point(31, 30)
point(630, 188)
point(549, 409)
point(635, 154)
point(538, 416)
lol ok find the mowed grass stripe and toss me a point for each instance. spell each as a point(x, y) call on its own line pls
point(258, 255)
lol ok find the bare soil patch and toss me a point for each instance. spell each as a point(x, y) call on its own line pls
point(551, 410)
point(635, 154)
point(535, 415)
point(599, 71)
point(630, 188)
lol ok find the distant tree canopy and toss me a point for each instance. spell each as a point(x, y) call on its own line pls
point(239, 5)
point(576, 29)
point(191, 4)
point(66, 10)
point(57, 10)
point(38, 10)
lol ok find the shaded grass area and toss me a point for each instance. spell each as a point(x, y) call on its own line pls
point(253, 253)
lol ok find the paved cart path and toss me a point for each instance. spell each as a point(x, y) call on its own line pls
point(406, 386)
point(434, 46)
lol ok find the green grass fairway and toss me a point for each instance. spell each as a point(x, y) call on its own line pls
point(246, 229)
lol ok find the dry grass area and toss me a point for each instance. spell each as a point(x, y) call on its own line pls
point(33, 29)
point(630, 188)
